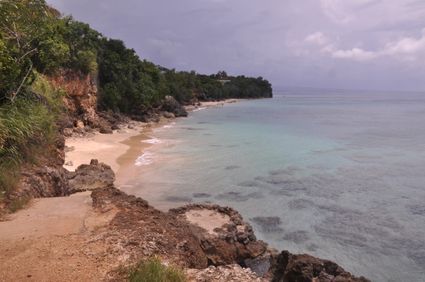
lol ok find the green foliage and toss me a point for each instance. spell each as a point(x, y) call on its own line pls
point(84, 44)
point(18, 204)
point(26, 125)
point(127, 83)
point(27, 32)
point(153, 270)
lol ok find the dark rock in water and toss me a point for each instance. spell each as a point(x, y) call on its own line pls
point(259, 265)
point(305, 268)
point(239, 197)
point(232, 167)
point(178, 199)
point(196, 129)
point(299, 204)
point(312, 247)
point(171, 105)
point(296, 236)
point(249, 183)
point(90, 177)
point(417, 209)
point(201, 195)
point(115, 127)
point(268, 224)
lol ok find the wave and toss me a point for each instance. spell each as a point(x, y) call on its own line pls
point(145, 159)
point(152, 141)
point(170, 125)
point(199, 109)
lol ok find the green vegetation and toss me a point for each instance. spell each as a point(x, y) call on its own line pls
point(36, 42)
point(27, 126)
point(153, 270)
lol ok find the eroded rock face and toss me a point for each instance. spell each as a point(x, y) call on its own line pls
point(46, 178)
point(81, 98)
point(90, 177)
point(45, 181)
point(305, 268)
point(227, 239)
point(172, 106)
point(138, 231)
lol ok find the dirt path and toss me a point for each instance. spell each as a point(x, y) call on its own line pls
point(36, 242)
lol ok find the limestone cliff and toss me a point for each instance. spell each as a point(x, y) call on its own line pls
point(81, 95)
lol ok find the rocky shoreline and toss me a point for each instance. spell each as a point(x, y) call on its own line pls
point(210, 242)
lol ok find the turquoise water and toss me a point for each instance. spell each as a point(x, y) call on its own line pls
point(339, 175)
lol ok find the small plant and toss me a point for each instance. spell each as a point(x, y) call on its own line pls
point(153, 270)
point(18, 204)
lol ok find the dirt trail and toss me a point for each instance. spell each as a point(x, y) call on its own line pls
point(35, 242)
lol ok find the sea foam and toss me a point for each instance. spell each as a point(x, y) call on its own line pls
point(145, 159)
point(152, 141)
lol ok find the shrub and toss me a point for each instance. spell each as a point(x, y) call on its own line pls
point(153, 270)
point(27, 126)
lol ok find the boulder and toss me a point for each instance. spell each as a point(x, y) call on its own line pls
point(168, 115)
point(173, 106)
point(79, 124)
point(90, 177)
point(67, 132)
point(305, 268)
point(39, 182)
point(105, 129)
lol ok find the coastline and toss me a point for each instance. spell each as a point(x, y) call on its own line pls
point(97, 234)
point(121, 149)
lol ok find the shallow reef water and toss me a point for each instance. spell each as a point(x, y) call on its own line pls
point(336, 174)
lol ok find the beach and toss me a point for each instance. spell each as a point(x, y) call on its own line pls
point(42, 235)
point(121, 149)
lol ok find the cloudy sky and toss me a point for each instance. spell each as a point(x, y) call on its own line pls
point(353, 44)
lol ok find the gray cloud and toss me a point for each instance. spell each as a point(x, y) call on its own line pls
point(327, 43)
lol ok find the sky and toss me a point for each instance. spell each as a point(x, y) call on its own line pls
point(347, 44)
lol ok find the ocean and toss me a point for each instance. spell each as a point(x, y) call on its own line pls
point(336, 174)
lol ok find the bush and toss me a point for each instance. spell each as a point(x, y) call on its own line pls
point(27, 126)
point(153, 270)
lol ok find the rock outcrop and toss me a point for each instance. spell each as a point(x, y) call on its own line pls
point(172, 106)
point(305, 268)
point(41, 182)
point(223, 235)
point(139, 231)
point(81, 98)
point(90, 177)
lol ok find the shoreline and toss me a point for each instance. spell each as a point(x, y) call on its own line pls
point(43, 229)
point(121, 149)
point(92, 235)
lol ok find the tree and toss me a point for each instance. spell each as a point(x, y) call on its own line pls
point(25, 32)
